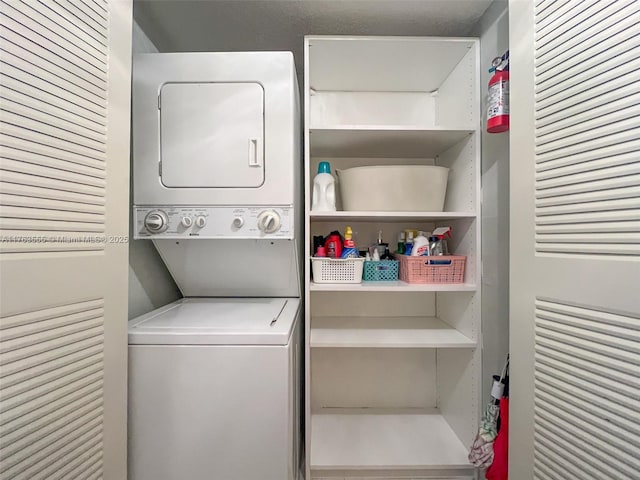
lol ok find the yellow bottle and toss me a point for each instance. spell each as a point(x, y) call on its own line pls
point(349, 249)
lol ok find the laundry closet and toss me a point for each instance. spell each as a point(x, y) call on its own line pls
point(248, 354)
point(393, 379)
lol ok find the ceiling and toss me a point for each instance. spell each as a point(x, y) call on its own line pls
point(249, 25)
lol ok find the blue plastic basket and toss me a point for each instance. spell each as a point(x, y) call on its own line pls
point(380, 271)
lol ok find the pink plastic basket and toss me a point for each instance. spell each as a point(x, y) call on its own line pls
point(438, 269)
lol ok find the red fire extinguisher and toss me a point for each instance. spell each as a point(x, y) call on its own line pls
point(498, 100)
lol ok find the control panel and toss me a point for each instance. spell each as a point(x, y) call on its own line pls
point(213, 222)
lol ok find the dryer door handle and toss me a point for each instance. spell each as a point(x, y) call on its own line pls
point(255, 159)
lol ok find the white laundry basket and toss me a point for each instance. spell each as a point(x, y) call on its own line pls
point(337, 270)
point(402, 188)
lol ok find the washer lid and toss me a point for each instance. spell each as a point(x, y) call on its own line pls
point(217, 321)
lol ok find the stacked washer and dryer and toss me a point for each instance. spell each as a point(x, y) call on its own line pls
point(214, 378)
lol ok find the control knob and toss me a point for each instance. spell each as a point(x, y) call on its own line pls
point(269, 221)
point(156, 221)
point(186, 222)
point(238, 222)
point(201, 221)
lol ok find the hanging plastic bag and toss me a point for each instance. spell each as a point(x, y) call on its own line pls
point(481, 453)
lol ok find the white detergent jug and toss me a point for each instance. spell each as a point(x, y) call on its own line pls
point(324, 190)
point(420, 245)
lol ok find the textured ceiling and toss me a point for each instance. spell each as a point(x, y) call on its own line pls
point(237, 25)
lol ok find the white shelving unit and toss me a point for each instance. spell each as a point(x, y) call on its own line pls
point(393, 369)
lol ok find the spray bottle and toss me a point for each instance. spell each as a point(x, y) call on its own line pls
point(438, 242)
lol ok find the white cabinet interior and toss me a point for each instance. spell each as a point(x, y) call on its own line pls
point(393, 369)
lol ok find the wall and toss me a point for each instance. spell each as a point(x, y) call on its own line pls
point(493, 30)
point(150, 284)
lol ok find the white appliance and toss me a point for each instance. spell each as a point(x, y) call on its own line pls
point(214, 378)
point(215, 390)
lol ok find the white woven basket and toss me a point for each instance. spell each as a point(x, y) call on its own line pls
point(337, 270)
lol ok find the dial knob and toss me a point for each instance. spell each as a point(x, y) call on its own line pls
point(201, 221)
point(238, 222)
point(186, 222)
point(156, 221)
point(269, 221)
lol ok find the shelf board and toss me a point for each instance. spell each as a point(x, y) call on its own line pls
point(379, 332)
point(398, 286)
point(388, 216)
point(383, 141)
point(378, 64)
point(381, 441)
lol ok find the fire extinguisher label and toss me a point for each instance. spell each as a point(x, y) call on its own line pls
point(498, 101)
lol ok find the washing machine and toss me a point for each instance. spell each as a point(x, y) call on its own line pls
point(215, 390)
point(215, 378)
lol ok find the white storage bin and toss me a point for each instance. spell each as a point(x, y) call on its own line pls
point(400, 188)
point(337, 270)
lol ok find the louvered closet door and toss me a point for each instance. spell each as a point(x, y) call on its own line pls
point(64, 167)
point(575, 240)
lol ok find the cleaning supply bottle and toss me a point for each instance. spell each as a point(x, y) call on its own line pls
point(381, 246)
point(408, 245)
point(420, 245)
point(324, 190)
point(435, 246)
point(333, 245)
point(349, 250)
point(443, 233)
point(318, 240)
point(401, 238)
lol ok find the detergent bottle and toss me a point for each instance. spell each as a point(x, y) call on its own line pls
point(324, 190)
point(349, 250)
point(333, 245)
point(420, 245)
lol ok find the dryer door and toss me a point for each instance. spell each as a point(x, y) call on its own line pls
point(211, 135)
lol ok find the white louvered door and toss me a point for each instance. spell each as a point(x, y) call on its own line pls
point(575, 239)
point(65, 68)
